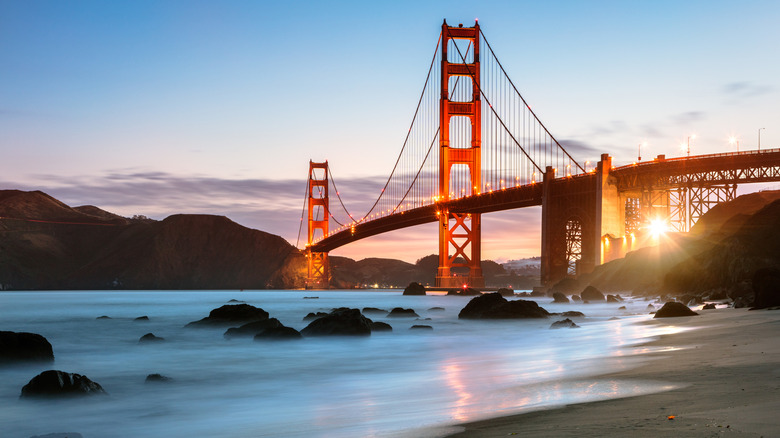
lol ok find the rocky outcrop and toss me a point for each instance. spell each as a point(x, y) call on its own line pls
point(614, 299)
point(591, 294)
point(420, 327)
point(311, 316)
point(494, 306)
point(378, 326)
point(564, 323)
point(374, 311)
point(342, 321)
point(231, 314)
point(506, 292)
point(674, 309)
point(155, 378)
point(253, 328)
point(278, 333)
point(560, 298)
point(414, 288)
point(23, 346)
point(55, 383)
point(399, 312)
point(150, 337)
point(766, 288)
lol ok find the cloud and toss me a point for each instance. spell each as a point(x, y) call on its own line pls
point(745, 89)
point(688, 118)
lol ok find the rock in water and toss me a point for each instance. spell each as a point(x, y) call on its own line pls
point(766, 288)
point(614, 298)
point(564, 323)
point(559, 298)
point(420, 327)
point(494, 306)
point(709, 306)
point(414, 288)
point(378, 326)
point(253, 328)
point(399, 312)
point(23, 346)
point(278, 333)
point(592, 294)
point(341, 321)
point(142, 318)
point(55, 383)
point(150, 337)
point(231, 314)
point(674, 309)
point(153, 378)
point(506, 292)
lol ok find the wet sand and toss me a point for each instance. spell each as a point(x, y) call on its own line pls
point(727, 375)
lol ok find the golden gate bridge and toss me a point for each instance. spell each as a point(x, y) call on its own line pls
point(475, 146)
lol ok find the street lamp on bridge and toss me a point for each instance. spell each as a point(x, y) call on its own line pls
point(733, 140)
point(759, 138)
point(692, 136)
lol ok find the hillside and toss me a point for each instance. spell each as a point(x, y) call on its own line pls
point(45, 244)
point(718, 258)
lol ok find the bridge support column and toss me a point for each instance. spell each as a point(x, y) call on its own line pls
point(318, 270)
point(460, 230)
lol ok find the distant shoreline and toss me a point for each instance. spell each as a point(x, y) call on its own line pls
point(726, 377)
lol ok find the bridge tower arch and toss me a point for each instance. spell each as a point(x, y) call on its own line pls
point(318, 270)
point(459, 231)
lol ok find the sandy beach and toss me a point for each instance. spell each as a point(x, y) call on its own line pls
point(727, 377)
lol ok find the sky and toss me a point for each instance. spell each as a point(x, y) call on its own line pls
point(162, 107)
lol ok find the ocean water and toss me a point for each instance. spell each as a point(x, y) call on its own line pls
point(404, 383)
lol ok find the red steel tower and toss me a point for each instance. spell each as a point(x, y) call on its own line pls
point(459, 231)
point(318, 276)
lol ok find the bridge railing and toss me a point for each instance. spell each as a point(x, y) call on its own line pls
point(654, 161)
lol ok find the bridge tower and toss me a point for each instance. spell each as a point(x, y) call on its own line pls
point(318, 273)
point(461, 230)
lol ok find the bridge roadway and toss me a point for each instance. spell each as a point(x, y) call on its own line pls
point(728, 168)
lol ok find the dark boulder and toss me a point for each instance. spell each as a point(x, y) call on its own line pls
point(154, 378)
point(576, 298)
point(436, 309)
point(592, 294)
point(142, 318)
point(231, 314)
point(278, 333)
point(311, 316)
point(340, 321)
point(54, 383)
point(103, 317)
point(420, 327)
point(23, 346)
point(378, 326)
point(374, 311)
point(252, 328)
point(235, 301)
point(614, 299)
point(674, 309)
point(709, 306)
point(150, 337)
point(559, 298)
point(573, 314)
point(567, 285)
point(494, 306)
point(506, 292)
point(403, 313)
point(414, 288)
point(564, 323)
point(766, 288)
point(622, 308)
point(538, 293)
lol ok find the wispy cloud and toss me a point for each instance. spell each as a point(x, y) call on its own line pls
point(745, 90)
point(273, 206)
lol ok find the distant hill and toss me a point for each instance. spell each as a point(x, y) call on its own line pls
point(48, 245)
point(45, 244)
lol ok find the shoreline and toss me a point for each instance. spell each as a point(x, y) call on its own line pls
point(726, 375)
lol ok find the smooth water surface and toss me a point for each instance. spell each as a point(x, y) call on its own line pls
point(400, 383)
